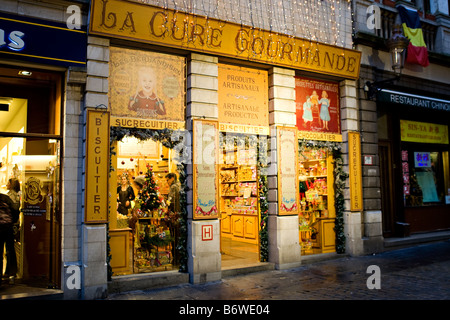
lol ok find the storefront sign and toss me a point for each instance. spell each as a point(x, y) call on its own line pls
point(172, 28)
point(146, 85)
point(321, 136)
point(354, 160)
point(412, 100)
point(146, 124)
point(97, 166)
point(243, 99)
point(41, 41)
point(423, 132)
point(317, 109)
point(287, 171)
point(240, 128)
point(206, 183)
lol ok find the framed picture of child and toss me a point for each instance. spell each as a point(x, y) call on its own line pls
point(146, 85)
point(317, 105)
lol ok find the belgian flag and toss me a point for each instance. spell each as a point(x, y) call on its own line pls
point(417, 49)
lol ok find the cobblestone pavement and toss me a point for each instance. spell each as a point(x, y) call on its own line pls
point(416, 273)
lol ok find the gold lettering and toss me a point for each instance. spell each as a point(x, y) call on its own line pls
point(153, 23)
point(111, 16)
point(241, 43)
point(128, 22)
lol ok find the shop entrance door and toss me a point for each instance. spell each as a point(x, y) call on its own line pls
point(387, 190)
point(30, 148)
point(239, 206)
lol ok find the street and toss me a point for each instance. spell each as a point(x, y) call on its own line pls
point(416, 273)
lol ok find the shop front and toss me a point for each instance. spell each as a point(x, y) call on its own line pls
point(243, 130)
point(33, 145)
point(414, 128)
point(320, 139)
point(249, 171)
point(147, 103)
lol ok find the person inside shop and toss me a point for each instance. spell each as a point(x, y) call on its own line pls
point(125, 194)
point(139, 184)
point(9, 215)
point(173, 203)
point(146, 102)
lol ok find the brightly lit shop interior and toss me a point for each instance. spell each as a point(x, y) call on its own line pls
point(34, 162)
point(317, 210)
point(154, 231)
point(239, 199)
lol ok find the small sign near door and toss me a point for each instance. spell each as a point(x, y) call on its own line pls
point(207, 232)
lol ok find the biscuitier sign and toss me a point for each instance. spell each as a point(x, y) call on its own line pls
point(165, 27)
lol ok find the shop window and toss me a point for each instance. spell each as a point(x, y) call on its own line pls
point(423, 176)
point(148, 207)
point(317, 212)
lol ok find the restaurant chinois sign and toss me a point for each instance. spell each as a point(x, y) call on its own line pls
point(155, 25)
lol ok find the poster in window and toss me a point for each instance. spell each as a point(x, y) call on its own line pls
point(146, 85)
point(287, 171)
point(206, 183)
point(317, 105)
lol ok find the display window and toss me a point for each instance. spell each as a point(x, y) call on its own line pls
point(317, 212)
point(148, 205)
point(239, 198)
point(30, 168)
point(423, 175)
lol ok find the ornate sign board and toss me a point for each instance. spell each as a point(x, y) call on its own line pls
point(287, 171)
point(97, 166)
point(155, 25)
point(146, 89)
point(317, 109)
point(205, 169)
point(243, 100)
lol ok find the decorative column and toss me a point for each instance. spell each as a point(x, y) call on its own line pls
point(71, 183)
point(284, 247)
point(372, 216)
point(204, 258)
point(94, 235)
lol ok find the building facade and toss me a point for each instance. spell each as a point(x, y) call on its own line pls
point(186, 140)
point(398, 200)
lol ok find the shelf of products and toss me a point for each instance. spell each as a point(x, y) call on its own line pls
point(239, 196)
point(317, 211)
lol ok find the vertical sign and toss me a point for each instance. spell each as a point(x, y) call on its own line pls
point(205, 146)
point(287, 171)
point(354, 159)
point(97, 166)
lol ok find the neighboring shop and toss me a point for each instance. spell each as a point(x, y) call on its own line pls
point(413, 131)
point(34, 136)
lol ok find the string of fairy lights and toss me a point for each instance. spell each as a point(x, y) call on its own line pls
point(324, 21)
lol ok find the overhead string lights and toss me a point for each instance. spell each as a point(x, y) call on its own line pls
point(316, 21)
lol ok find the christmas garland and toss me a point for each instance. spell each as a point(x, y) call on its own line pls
point(165, 137)
point(339, 182)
